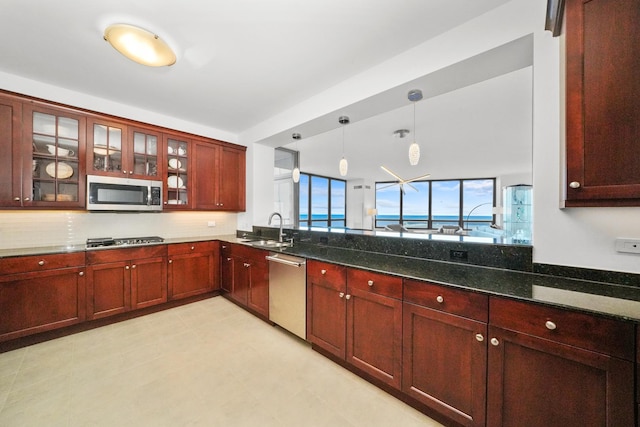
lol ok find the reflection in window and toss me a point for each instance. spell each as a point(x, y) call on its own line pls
point(465, 203)
point(323, 201)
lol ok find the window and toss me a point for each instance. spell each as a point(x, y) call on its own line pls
point(285, 191)
point(465, 203)
point(323, 201)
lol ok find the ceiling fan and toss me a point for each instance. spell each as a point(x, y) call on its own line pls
point(402, 182)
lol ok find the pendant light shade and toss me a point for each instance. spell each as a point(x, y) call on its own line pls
point(414, 149)
point(295, 173)
point(414, 154)
point(139, 45)
point(343, 166)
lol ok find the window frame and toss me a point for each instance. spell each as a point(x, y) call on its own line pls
point(329, 220)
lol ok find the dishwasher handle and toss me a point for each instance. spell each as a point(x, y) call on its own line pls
point(275, 258)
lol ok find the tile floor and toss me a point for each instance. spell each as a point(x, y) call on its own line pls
point(208, 363)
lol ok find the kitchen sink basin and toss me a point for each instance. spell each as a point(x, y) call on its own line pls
point(267, 243)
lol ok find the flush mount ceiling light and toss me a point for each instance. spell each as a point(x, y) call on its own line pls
point(414, 149)
point(295, 174)
point(139, 45)
point(344, 165)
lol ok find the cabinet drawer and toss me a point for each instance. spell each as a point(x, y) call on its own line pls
point(325, 274)
point(115, 255)
point(24, 264)
point(591, 332)
point(377, 283)
point(455, 301)
point(190, 247)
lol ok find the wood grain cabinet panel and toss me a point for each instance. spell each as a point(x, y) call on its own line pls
point(220, 176)
point(40, 301)
point(603, 102)
point(11, 147)
point(194, 268)
point(120, 280)
point(245, 277)
point(535, 380)
point(445, 350)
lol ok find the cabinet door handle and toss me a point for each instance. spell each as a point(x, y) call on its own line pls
point(370, 283)
point(347, 296)
point(550, 325)
point(440, 299)
point(41, 262)
point(16, 199)
point(170, 261)
point(130, 172)
point(479, 337)
point(228, 259)
point(247, 265)
point(574, 184)
point(341, 294)
point(126, 267)
point(193, 247)
point(224, 247)
point(81, 273)
point(495, 342)
point(323, 271)
point(26, 199)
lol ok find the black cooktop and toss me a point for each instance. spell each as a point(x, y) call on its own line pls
point(99, 242)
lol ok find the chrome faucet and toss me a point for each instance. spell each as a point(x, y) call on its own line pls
point(280, 234)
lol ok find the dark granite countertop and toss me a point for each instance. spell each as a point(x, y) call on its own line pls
point(619, 301)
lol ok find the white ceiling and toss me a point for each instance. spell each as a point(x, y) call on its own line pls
point(239, 63)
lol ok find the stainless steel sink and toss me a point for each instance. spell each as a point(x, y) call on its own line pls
point(267, 244)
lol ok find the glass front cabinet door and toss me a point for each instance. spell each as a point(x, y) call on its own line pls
point(57, 140)
point(145, 153)
point(177, 181)
point(105, 148)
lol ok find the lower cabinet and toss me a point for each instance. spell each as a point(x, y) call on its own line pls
point(245, 277)
point(194, 268)
point(445, 353)
point(119, 280)
point(356, 315)
point(551, 367)
point(41, 293)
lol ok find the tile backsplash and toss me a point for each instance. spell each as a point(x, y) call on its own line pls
point(25, 229)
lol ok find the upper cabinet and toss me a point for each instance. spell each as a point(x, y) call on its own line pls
point(114, 148)
point(223, 186)
point(49, 149)
point(603, 103)
point(53, 144)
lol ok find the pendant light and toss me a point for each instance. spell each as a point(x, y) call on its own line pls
point(414, 96)
point(344, 165)
point(295, 173)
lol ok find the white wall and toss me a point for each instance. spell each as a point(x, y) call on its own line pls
point(582, 237)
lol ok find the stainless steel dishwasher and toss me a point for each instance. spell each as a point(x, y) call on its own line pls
point(288, 292)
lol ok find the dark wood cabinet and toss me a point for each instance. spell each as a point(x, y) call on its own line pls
point(445, 351)
point(555, 367)
point(120, 280)
point(327, 307)
point(193, 269)
point(13, 153)
point(220, 176)
point(41, 293)
point(245, 277)
point(603, 102)
point(374, 325)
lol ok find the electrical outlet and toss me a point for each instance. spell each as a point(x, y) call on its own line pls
point(211, 223)
point(631, 246)
point(458, 255)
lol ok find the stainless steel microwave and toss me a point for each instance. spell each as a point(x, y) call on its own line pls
point(106, 193)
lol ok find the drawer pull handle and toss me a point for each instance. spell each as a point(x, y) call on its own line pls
point(341, 294)
point(370, 283)
point(228, 259)
point(81, 273)
point(550, 325)
point(170, 261)
point(347, 296)
point(574, 184)
point(440, 299)
point(41, 262)
point(323, 271)
point(193, 247)
point(495, 342)
point(126, 267)
point(480, 337)
point(133, 266)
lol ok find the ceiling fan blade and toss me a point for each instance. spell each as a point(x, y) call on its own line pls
point(412, 187)
point(418, 178)
point(391, 173)
point(387, 186)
